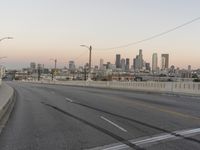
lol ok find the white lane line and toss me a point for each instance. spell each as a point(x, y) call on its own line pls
point(114, 124)
point(151, 140)
point(186, 132)
point(69, 100)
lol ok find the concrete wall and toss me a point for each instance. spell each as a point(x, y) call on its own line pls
point(188, 88)
point(6, 103)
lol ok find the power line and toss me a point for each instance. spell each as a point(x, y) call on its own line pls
point(82, 54)
point(151, 37)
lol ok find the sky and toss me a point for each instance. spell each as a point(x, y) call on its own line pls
point(44, 29)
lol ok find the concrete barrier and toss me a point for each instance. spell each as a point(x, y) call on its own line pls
point(183, 88)
point(7, 99)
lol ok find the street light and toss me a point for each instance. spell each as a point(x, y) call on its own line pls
point(8, 38)
point(5, 39)
point(55, 62)
point(53, 72)
point(3, 57)
point(90, 57)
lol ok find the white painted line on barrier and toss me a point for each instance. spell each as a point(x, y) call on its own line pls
point(69, 100)
point(158, 138)
point(114, 124)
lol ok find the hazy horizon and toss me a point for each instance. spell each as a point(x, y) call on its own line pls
point(44, 29)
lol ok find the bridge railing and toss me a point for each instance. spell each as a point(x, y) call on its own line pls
point(161, 87)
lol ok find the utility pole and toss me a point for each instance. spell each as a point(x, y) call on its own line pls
point(55, 66)
point(55, 63)
point(90, 59)
point(39, 72)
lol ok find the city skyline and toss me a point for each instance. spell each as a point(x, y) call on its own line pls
point(156, 61)
point(48, 29)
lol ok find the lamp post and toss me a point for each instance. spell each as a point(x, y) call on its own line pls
point(6, 38)
point(3, 57)
point(55, 65)
point(90, 58)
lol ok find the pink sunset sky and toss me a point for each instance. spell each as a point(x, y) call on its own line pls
point(44, 29)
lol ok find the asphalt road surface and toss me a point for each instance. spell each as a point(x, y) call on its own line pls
point(55, 117)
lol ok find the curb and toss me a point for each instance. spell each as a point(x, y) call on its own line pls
point(7, 109)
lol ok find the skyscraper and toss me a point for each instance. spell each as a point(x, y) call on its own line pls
point(123, 64)
point(189, 68)
point(72, 65)
point(101, 64)
point(117, 61)
point(33, 65)
point(147, 66)
point(154, 62)
point(138, 62)
point(140, 57)
point(165, 61)
point(127, 64)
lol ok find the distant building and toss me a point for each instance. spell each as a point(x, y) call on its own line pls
point(189, 68)
point(138, 62)
point(108, 65)
point(72, 66)
point(117, 61)
point(147, 67)
point(33, 65)
point(39, 66)
point(123, 64)
point(127, 64)
point(154, 62)
point(101, 65)
point(140, 57)
point(164, 61)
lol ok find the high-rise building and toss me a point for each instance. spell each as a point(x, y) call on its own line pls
point(154, 62)
point(189, 68)
point(117, 61)
point(138, 62)
point(134, 63)
point(165, 61)
point(108, 65)
point(101, 64)
point(123, 64)
point(147, 66)
point(140, 57)
point(33, 65)
point(72, 66)
point(127, 64)
point(39, 66)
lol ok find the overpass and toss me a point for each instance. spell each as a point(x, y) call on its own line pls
point(103, 115)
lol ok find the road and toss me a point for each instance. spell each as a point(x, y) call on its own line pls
point(56, 117)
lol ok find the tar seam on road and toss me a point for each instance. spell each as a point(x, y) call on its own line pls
point(69, 100)
point(114, 124)
point(118, 138)
point(133, 120)
point(139, 122)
